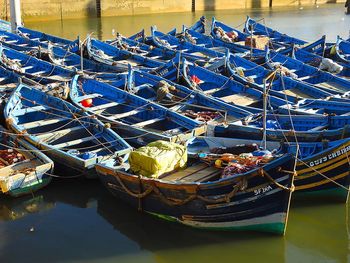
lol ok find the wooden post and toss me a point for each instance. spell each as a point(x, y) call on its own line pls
point(270, 3)
point(193, 5)
point(15, 11)
point(98, 8)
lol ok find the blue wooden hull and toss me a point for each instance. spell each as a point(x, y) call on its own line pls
point(35, 69)
point(54, 54)
point(306, 73)
point(304, 128)
point(342, 50)
point(31, 34)
point(14, 180)
point(322, 167)
point(5, 25)
point(68, 136)
point(181, 99)
point(136, 119)
point(312, 59)
point(261, 206)
point(215, 85)
point(111, 55)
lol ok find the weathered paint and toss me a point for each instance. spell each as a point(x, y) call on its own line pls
point(277, 224)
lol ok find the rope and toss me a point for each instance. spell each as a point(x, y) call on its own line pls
point(263, 173)
point(323, 175)
point(241, 185)
point(175, 202)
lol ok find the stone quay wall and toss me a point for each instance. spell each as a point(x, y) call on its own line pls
point(65, 9)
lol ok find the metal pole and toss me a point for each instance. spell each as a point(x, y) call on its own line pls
point(264, 115)
point(15, 11)
point(81, 44)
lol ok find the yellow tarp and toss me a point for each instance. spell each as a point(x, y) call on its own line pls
point(157, 158)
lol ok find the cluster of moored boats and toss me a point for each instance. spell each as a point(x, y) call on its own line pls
point(260, 115)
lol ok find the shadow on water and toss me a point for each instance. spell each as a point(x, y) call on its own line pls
point(209, 5)
point(65, 211)
point(82, 219)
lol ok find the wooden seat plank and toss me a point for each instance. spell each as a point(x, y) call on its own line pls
point(60, 132)
point(31, 109)
point(125, 114)
point(104, 106)
point(88, 96)
point(74, 142)
point(34, 124)
point(148, 122)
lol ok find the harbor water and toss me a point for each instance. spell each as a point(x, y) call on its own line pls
point(77, 220)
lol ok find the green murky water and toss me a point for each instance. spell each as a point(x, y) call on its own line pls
point(78, 220)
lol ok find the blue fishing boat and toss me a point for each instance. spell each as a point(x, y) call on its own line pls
point(302, 128)
point(191, 51)
point(200, 25)
point(209, 41)
point(313, 59)
point(66, 44)
point(5, 25)
point(303, 72)
point(284, 86)
point(8, 81)
point(56, 55)
point(253, 75)
point(23, 168)
point(136, 119)
point(219, 86)
point(342, 50)
point(182, 100)
point(318, 47)
point(199, 196)
point(322, 168)
point(33, 68)
point(111, 55)
point(136, 46)
point(240, 41)
point(67, 135)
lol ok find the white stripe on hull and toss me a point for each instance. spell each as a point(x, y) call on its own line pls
point(270, 219)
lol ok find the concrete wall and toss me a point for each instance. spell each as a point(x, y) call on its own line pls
point(57, 9)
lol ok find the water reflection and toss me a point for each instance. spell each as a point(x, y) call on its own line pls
point(312, 22)
point(78, 220)
point(82, 219)
point(318, 233)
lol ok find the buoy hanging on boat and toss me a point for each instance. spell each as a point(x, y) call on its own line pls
point(195, 79)
point(87, 103)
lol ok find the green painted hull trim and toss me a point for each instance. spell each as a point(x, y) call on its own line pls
point(30, 188)
point(276, 228)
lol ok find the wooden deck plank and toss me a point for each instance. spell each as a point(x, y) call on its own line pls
point(240, 99)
